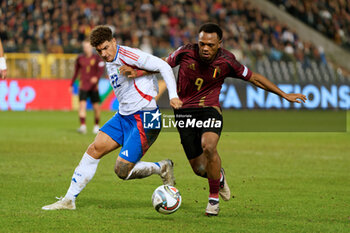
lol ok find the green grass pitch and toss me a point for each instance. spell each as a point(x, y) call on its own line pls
point(281, 182)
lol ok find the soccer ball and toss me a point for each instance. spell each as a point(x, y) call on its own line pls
point(166, 199)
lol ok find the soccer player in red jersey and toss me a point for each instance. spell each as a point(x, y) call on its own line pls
point(203, 68)
point(91, 67)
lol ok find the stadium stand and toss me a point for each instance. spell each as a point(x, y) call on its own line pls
point(264, 43)
point(332, 18)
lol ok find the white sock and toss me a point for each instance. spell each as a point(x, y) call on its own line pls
point(82, 175)
point(143, 169)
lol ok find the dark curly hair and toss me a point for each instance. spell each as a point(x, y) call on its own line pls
point(100, 34)
point(211, 28)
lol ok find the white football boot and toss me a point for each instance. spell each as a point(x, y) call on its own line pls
point(167, 172)
point(82, 129)
point(212, 208)
point(224, 190)
point(61, 204)
point(96, 129)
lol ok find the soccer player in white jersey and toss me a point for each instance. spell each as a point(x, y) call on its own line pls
point(3, 68)
point(136, 100)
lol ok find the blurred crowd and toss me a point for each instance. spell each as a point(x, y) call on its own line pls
point(156, 26)
point(331, 17)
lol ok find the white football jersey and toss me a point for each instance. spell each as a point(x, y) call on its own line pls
point(138, 94)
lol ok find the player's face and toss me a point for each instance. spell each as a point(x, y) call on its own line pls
point(87, 48)
point(209, 44)
point(107, 50)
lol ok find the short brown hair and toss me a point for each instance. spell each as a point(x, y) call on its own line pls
point(100, 34)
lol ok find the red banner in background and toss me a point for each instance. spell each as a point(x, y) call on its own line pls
point(31, 94)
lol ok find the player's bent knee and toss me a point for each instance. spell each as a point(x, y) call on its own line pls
point(121, 170)
point(120, 174)
point(96, 151)
point(209, 149)
point(93, 148)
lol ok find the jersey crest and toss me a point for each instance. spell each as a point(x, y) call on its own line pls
point(192, 66)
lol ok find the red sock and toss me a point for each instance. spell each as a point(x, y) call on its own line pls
point(97, 120)
point(214, 186)
point(82, 120)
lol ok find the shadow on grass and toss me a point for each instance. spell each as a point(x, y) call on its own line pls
point(116, 203)
point(142, 204)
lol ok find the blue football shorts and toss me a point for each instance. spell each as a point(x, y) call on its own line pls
point(135, 132)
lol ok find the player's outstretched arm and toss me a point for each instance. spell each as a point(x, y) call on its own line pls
point(262, 82)
point(152, 66)
point(130, 72)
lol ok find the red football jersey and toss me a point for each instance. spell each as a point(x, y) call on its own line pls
point(199, 83)
point(89, 67)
